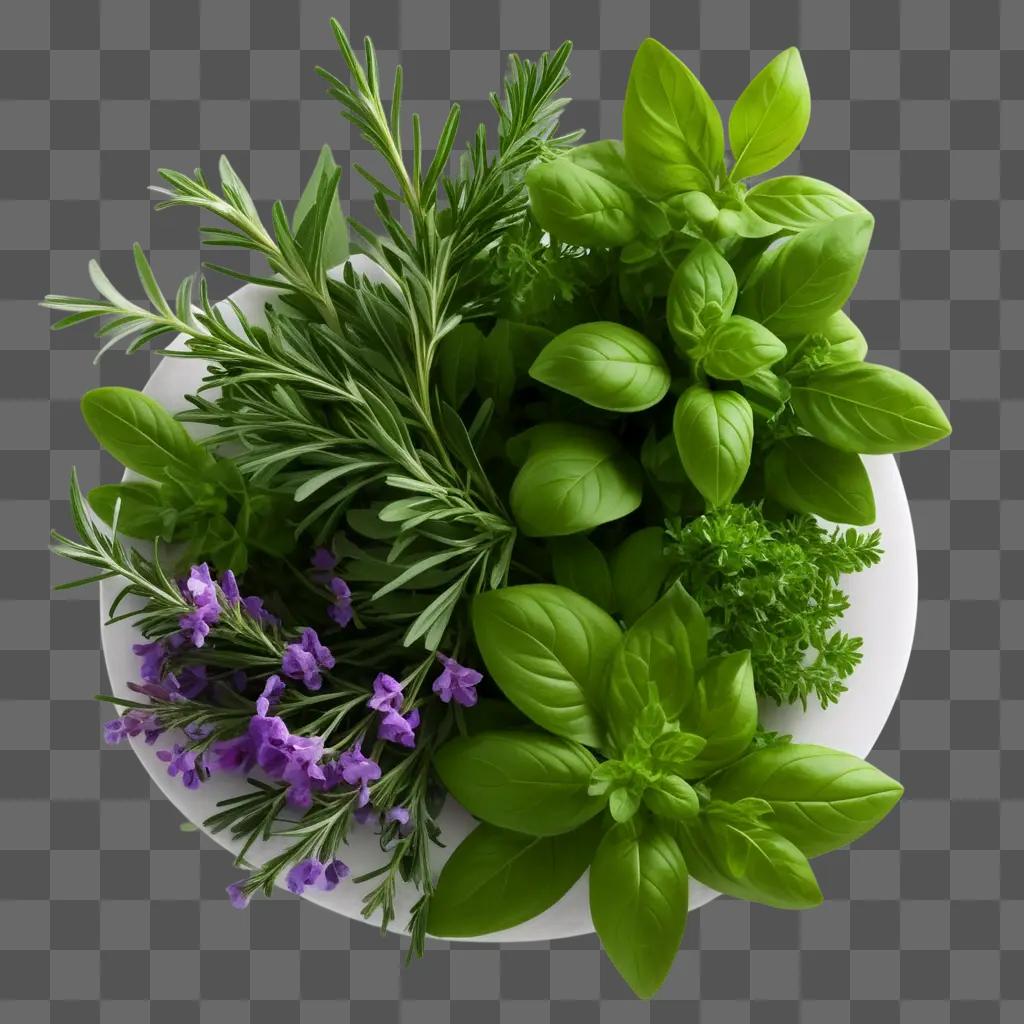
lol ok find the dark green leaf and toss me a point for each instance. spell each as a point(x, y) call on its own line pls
point(639, 568)
point(579, 564)
point(144, 513)
point(335, 244)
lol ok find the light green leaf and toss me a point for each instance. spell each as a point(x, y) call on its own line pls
point(702, 292)
point(670, 127)
point(604, 364)
point(771, 116)
point(796, 202)
point(714, 431)
point(737, 347)
point(335, 247)
point(144, 510)
point(806, 475)
point(672, 798)
point(548, 649)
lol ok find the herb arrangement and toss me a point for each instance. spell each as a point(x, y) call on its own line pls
point(523, 507)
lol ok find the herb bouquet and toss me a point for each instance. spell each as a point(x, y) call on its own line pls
point(523, 505)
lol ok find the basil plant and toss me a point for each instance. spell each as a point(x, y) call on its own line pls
point(639, 757)
point(723, 315)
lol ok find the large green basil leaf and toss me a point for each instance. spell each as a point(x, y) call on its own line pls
point(606, 158)
point(334, 232)
point(714, 431)
point(805, 475)
point(808, 277)
point(865, 407)
point(771, 115)
point(665, 647)
point(548, 649)
point(821, 799)
point(496, 878)
point(670, 127)
point(737, 347)
point(144, 510)
point(845, 340)
point(796, 202)
point(580, 565)
point(639, 569)
point(574, 484)
point(722, 708)
point(702, 291)
point(578, 206)
point(748, 861)
point(142, 435)
point(526, 781)
point(639, 896)
point(606, 365)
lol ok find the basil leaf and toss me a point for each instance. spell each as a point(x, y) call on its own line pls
point(748, 861)
point(670, 127)
point(606, 158)
point(548, 649)
point(846, 343)
point(491, 713)
point(714, 431)
point(526, 781)
point(738, 347)
point(639, 568)
point(771, 115)
point(638, 902)
point(580, 565)
point(821, 799)
point(496, 878)
point(606, 365)
point(702, 291)
point(457, 358)
point(142, 435)
point(575, 484)
point(664, 647)
point(578, 206)
point(795, 202)
point(672, 798)
point(767, 393)
point(721, 707)
point(335, 230)
point(805, 475)
point(808, 277)
point(144, 511)
point(865, 407)
point(741, 220)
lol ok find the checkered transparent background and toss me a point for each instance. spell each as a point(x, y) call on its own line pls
point(111, 913)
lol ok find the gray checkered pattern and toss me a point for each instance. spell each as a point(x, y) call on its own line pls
point(112, 913)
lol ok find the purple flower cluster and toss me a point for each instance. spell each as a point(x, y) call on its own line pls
point(307, 874)
point(456, 682)
point(356, 769)
point(340, 609)
point(200, 589)
point(133, 723)
point(305, 659)
point(182, 762)
point(387, 699)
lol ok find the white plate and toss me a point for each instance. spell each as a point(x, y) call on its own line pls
point(883, 611)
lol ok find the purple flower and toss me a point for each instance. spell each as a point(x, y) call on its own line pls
point(305, 659)
point(323, 561)
point(398, 728)
point(132, 723)
point(197, 731)
point(154, 657)
point(254, 607)
point(359, 770)
point(229, 587)
point(399, 814)
point(191, 681)
point(341, 610)
point(237, 896)
point(271, 695)
point(311, 873)
point(201, 588)
point(196, 624)
point(183, 762)
point(231, 755)
point(456, 682)
point(387, 693)
point(366, 814)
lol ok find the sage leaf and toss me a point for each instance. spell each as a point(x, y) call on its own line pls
point(607, 365)
point(496, 878)
point(821, 799)
point(714, 431)
point(142, 435)
point(796, 202)
point(771, 115)
point(865, 407)
point(144, 511)
point(670, 128)
point(526, 781)
point(548, 649)
point(806, 475)
point(808, 277)
point(639, 891)
point(737, 347)
point(574, 484)
point(335, 233)
point(702, 291)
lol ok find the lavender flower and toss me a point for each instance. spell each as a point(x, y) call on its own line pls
point(183, 762)
point(196, 624)
point(341, 610)
point(154, 658)
point(456, 682)
point(401, 816)
point(133, 723)
point(271, 695)
point(305, 659)
point(387, 693)
point(323, 562)
point(237, 896)
point(229, 587)
point(233, 755)
point(200, 586)
point(254, 607)
point(397, 728)
point(311, 873)
point(359, 770)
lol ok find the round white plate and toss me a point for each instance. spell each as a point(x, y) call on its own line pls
point(883, 609)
